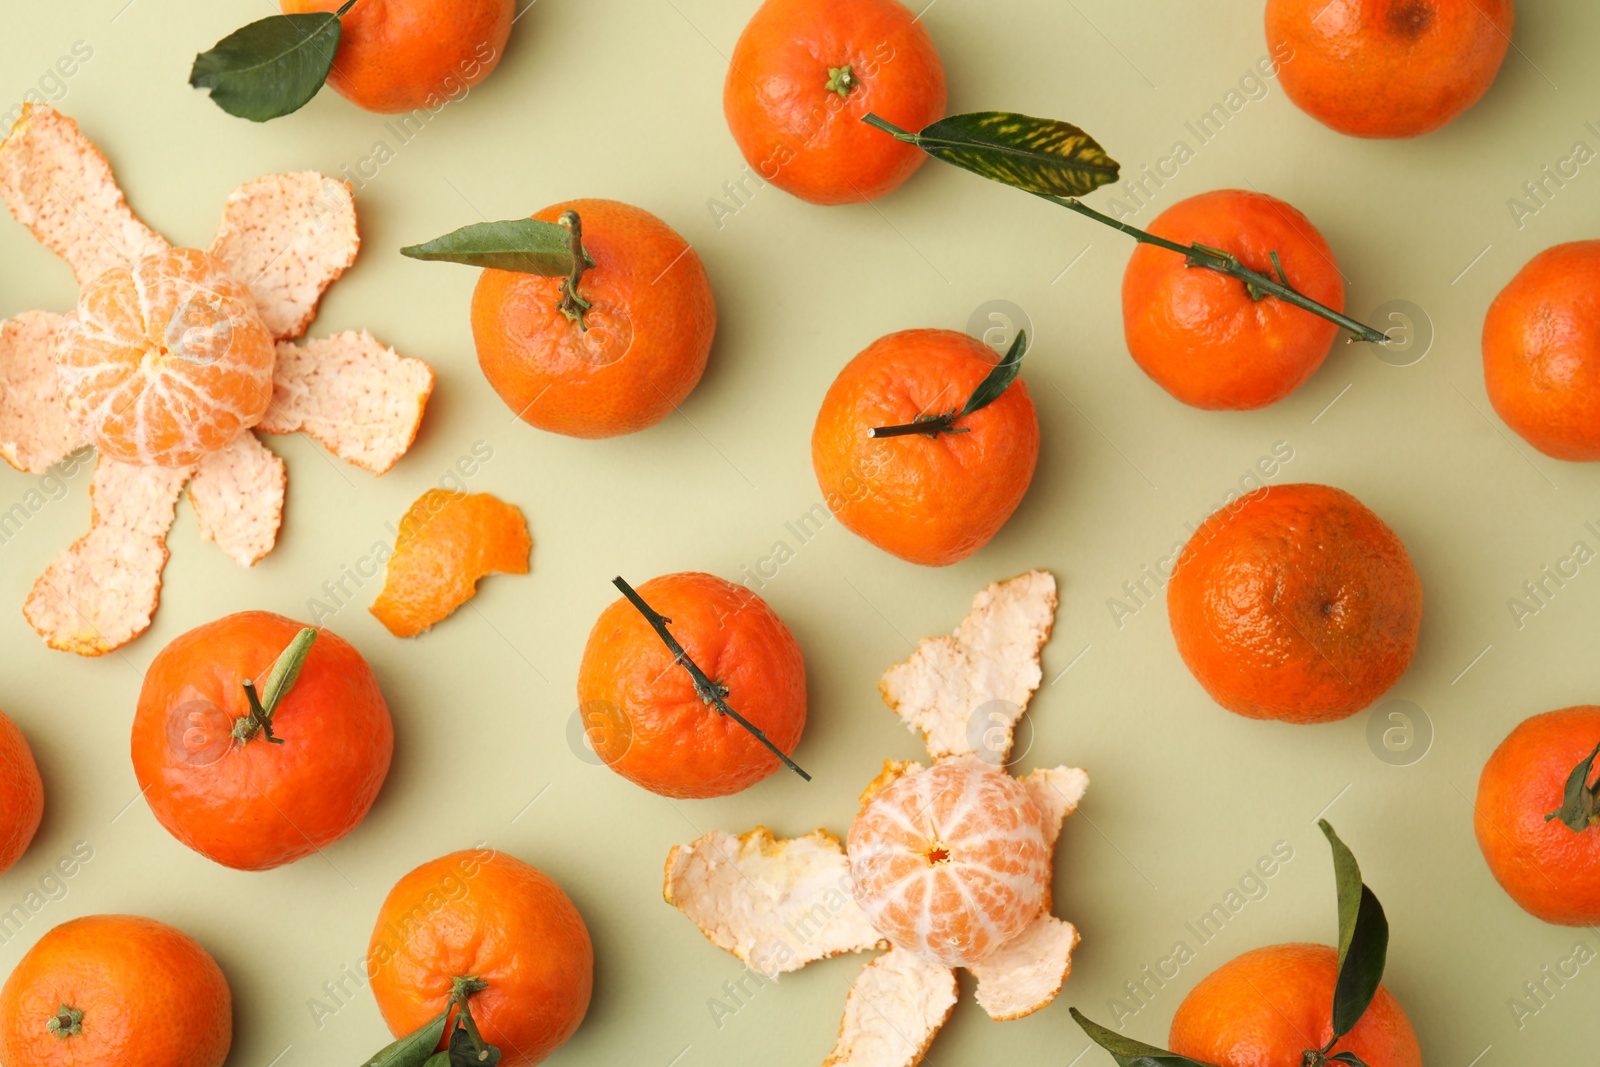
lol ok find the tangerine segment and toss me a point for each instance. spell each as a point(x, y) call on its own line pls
point(448, 540)
point(165, 362)
point(951, 863)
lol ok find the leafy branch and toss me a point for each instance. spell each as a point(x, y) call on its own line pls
point(1058, 162)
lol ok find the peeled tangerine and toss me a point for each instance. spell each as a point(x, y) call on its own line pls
point(166, 361)
point(951, 863)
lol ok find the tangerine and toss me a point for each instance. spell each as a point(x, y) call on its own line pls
point(649, 722)
point(1541, 352)
point(1388, 68)
point(627, 361)
point(21, 794)
point(932, 500)
point(116, 989)
point(480, 914)
point(1549, 869)
point(951, 862)
point(408, 55)
point(1205, 337)
point(802, 76)
point(166, 361)
point(1295, 603)
point(1269, 1006)
point(248, 791)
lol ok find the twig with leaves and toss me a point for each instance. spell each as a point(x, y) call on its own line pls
point(466, 1047)
point(1058, 162)
point(1363, 950)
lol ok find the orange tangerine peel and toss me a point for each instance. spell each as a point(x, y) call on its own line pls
point(776, 904)
point(171, 358)
point(448, 541)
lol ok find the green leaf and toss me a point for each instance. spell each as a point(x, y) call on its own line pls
point(999, 379)
point(1363, 938)
point(438, 1059)
point(526, 246)
point(1579, 805)
point(1038, 155)
point(413, 1050)
point(272, 67)
point(286, 671)
point(464, 1052)
point(1131, 1053)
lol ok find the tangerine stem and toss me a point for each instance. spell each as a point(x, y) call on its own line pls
point(708, 690)
point(572, 305)
point(1197, 255)
point(66, 1022)
point(285, 672)
point(932, 425)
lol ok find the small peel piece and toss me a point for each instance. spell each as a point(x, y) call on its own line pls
point(288, 237)
point(100, 593)
point(776, 904)
point(35, 431)
point(237, 494)
point(448, 540)
point(354, 394)
point(894, 1009)
point(989, 664)
point(1025, 974)
point(58, 185)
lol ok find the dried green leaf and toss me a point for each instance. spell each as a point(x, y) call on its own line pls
point(527, 246)
point(1042, 156)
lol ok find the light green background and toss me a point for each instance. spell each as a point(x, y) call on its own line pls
point(623, 99)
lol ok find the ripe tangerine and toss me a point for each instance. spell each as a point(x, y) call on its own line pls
point(802, 76)
point(486, 915)
point(658, 731)
point(930, 500)
point(637, 353)
point(1295, 603)
point(1201, 335)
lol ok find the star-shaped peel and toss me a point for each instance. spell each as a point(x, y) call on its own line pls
point(286, 237)
point(780, 904)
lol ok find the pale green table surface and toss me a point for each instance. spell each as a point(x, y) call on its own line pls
point(623, 99)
